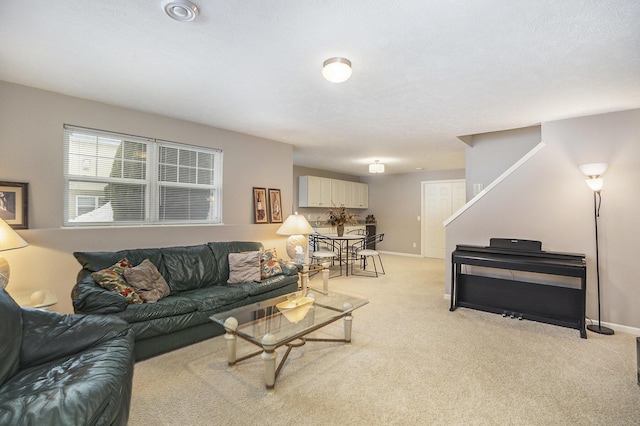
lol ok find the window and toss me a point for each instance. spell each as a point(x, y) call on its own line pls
point(113, 179)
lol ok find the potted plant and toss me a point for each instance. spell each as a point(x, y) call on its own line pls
point(338, 216)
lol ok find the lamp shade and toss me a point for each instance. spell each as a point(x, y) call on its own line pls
point(595, 183)
point(593, 169)
point(376, 167)
point(336, 70)
point(295, 225)
point(9, 239)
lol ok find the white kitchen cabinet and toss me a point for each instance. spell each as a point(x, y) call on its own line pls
point(314, 191)
point(359, 195)
point(341, 193)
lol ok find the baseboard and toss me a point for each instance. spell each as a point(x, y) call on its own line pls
point(398, 254)
point(634, 331)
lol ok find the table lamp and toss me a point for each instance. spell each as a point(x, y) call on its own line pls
point(9, 239)
point(297, 227)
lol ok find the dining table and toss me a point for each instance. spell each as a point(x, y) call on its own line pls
point(343, 242)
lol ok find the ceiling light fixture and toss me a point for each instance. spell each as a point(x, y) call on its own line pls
point(336, 70)
point(376, 167)
point(181, 10)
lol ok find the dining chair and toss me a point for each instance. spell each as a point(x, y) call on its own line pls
point(362, 254)
point(324, 250)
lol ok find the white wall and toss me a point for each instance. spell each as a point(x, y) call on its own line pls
point(547, 199)
point(31, 132)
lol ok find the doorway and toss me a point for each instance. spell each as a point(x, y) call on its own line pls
point(440, 199)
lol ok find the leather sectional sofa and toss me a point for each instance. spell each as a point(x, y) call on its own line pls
point(197, 277)
point(63, 369)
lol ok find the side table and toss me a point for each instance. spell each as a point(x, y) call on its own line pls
point(35, 298)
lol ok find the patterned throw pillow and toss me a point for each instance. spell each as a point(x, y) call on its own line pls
point(112, 279)
point(270, 264)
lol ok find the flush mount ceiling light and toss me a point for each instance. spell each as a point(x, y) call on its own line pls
point(376, 167)
point(181, 10)
point(336, 70)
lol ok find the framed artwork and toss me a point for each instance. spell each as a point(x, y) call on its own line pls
point(275, 206)
point(13, 204)
point(260, 205)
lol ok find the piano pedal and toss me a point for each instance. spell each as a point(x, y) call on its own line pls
point(520, 317)
point(504, 314)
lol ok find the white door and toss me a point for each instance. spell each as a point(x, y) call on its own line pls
point(440, 199)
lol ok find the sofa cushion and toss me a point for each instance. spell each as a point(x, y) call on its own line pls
point(167, 307)
point(244, 267)
point(270, 264)
point(214, 297)
point(112, 279)
point(221, 252)
point(10, 336)
point(189, 267)
point(147, 281)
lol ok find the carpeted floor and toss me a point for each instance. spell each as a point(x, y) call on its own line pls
point(411, 362)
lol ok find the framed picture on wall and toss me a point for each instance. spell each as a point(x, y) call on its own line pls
point(260, 205)
point(14, 204)
point(275, 206)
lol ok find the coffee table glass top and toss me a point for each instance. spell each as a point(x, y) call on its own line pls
point(303, 316)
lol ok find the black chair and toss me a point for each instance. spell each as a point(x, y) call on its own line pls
point(362, 253)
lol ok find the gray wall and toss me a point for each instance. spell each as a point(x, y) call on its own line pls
point(492, 153)
point(31, 146)
point(547, 199)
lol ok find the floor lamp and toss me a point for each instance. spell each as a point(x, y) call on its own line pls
point(594, 173)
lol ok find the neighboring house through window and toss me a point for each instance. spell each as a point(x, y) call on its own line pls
point(115, 179)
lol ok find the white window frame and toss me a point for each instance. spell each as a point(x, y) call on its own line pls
point(79, 169)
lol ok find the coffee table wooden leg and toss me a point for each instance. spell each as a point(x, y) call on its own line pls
point(269, 356)
point(347, 328)
point(231, 324)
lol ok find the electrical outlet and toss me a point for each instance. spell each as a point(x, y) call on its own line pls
point(414, 245)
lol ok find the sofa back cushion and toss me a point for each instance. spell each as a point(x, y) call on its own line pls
point(94, 261)
point(189, 267)
point(10, 336)
point(221, 252)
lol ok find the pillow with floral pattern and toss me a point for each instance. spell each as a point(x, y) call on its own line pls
point(270, 264)
point(112, 279)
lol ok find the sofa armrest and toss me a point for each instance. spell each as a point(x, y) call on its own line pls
point(291, 268)
point(89, 298)
point(49, 335)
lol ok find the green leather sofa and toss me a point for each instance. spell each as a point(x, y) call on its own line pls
point(197, 276)
point(63, 369)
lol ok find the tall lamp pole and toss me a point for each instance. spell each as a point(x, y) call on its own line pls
point(594, 171)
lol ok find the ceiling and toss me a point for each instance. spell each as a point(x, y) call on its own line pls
point(425, 72)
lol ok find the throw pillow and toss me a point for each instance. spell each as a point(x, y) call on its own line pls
point(270, 264)
point(147, 281)
point(244, 267)
point(112, 279)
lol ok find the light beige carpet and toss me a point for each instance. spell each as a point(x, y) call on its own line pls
point(411, 362)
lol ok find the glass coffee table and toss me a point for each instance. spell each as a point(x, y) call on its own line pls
point(285, 321)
